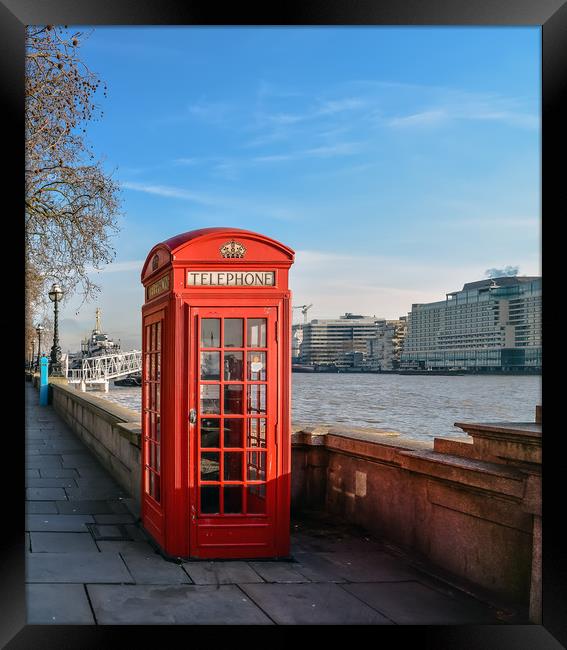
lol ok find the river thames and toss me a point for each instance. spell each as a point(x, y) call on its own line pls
point(419, 406)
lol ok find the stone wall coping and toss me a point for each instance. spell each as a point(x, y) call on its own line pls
point(111, 412)
point(471, 464)
point(503, 429)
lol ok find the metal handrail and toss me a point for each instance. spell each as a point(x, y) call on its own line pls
point(103, 368)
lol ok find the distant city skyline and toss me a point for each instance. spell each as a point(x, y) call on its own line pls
point(399, 163)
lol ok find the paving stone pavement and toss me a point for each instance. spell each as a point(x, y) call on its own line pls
point(88, 561)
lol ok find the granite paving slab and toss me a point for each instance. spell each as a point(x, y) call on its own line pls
point(135, 533)
point(411, 603)
point(43, 462)
point(114, 518)
point(99, 494)
point(79, 567)
point(93, 471)
point(151, 568)
point(316, 568)
point(83, 507)
point(286, 572)
point(45, 494)
point(221, 573)
point(50, 482)
point(64, 446)
point(32, 473)
point(55, 523)
point(48, 542)
point(41, 508)
point(117, 546)
point(180, 604)
point(58, 604)
point(370, 567)
point(119, 506)
point(58, 472)
point(308, 604)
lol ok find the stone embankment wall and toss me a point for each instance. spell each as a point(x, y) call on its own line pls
point(111, 431)
point(471, 506)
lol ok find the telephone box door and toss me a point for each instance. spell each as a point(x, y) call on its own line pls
point(233, 399)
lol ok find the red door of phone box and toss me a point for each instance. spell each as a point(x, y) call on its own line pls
point(216, 384)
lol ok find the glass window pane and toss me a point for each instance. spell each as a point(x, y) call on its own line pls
point(256, 499)
point(257, 398)
point(257, 366)
point(210, 365)
point(233, 362)
point(210, 432)
point(256, 466)
point(157, 488)
point(256, 432)
point(210, 398)
point(233, 466)
point(210, 461)
point(233, 432)
point(158, 428)
point(210, 333)
point(256, 333)
point(233, 332)
point(233, 499)
point(210, 499)
point(158, 458)
point(158, 341)
point(233, 398)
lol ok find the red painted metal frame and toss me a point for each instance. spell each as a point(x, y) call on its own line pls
point(175, 523)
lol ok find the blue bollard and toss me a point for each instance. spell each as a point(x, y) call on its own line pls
point(43, 381)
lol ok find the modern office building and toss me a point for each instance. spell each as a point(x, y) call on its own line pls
point(490, 325)
point(384, 350)
point(338, 343)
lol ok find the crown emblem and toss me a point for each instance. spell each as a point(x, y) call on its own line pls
point(155, 262)
point(232, 249)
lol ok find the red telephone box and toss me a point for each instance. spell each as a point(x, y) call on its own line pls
point(216, 452)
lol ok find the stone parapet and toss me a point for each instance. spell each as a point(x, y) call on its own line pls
point(112, 432)
point(470, 507)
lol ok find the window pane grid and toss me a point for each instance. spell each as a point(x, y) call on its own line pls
point(226, 414)
point(151, 410)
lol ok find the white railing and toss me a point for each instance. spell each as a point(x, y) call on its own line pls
point(101, 369)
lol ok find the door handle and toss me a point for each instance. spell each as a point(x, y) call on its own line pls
point(192, 416)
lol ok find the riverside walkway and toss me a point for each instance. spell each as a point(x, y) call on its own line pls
point(89, 562)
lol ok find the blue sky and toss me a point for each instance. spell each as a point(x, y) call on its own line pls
point(398, 162)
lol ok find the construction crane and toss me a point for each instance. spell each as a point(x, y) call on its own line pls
point(304, 310)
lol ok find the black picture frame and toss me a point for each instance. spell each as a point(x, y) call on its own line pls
point(551, 15)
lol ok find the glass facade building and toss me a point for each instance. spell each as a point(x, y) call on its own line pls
point(338, 343)
point(490, 325)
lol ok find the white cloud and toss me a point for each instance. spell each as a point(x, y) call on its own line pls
point(250, 205)
point(381, 285)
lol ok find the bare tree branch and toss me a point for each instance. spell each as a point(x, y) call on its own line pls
point(72, 204)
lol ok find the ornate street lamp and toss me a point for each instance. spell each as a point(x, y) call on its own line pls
point(55, 296)
point(39, 329)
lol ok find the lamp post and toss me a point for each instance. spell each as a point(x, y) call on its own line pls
point(39, 329)
point(32, 354)
point(55, 296)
